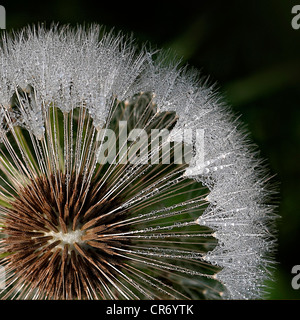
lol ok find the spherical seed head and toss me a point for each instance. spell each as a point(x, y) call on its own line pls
point(92, 208)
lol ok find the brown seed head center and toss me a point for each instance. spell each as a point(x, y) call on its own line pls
point(57, 226)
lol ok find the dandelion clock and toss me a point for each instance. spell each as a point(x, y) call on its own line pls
point(123, 176)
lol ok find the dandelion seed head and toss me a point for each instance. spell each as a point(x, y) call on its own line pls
point(75, 228)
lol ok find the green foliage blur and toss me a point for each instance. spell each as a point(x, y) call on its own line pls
point(248, 48)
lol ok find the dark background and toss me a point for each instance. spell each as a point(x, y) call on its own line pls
point(248, 47)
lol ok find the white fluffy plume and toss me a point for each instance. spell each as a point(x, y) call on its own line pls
point(73, 67)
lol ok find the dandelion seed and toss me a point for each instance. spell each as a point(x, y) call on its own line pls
point(77, 226)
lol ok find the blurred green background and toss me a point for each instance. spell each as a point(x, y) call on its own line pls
point(249, 48)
